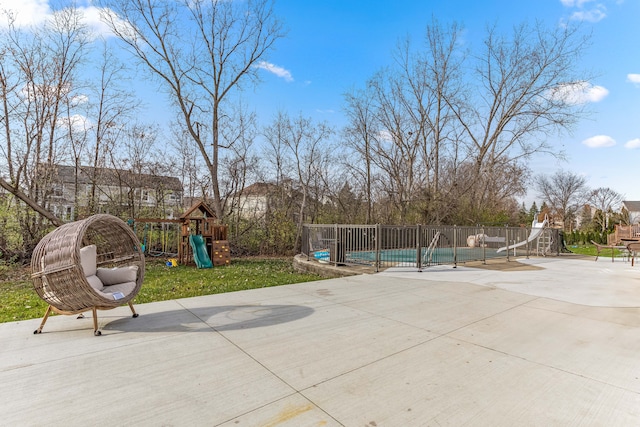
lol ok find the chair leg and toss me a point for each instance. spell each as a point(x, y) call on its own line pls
point(44, 320)
point(133, 310)
point(96, 332)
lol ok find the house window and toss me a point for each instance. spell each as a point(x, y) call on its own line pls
point(57, 190)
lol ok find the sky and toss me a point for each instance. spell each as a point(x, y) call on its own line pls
point(333, 46)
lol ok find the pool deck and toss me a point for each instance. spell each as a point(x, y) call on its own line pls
point(541, 341)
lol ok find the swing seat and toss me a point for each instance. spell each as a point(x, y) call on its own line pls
point(93, 264)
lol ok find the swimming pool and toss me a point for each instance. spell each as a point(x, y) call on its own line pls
point(413, 246)
point(427, 257)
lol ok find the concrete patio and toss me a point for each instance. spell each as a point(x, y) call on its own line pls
point(557, 343)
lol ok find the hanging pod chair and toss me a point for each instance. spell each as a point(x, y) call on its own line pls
point(92, 264)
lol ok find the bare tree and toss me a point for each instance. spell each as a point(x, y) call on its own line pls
point(39, 74)
point(111, 110)
point(564, 192)
point(396, 148)
point(448, 151)
point(431, 83)
point(359, 135)
point(241, 163)
point(305, 144)
point(189, 168)
point(522, 96)
point(199, 51)
point(606, 201)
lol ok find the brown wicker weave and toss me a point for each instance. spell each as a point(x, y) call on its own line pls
point(57, 273)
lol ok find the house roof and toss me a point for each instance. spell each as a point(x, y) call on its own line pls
point(107, 176)
point(632, 206)
point(259, 189)
point(201, 207)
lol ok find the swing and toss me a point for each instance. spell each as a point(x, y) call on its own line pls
point(91, 264)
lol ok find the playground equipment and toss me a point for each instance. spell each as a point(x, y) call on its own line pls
point(160, 237)
point(537, 229)
point(92, 264)
point(172, 237)
point(200, 255)
point(200, 220)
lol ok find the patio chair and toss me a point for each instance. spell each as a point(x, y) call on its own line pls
point(92, 264)
point(600, 247)
point(634, 249)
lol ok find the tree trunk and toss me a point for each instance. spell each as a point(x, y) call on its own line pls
point(31, 203)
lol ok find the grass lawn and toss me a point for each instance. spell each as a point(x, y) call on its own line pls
point(18, 300)
point(591, 250)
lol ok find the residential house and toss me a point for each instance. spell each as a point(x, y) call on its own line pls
point(260, 199)
point(86, 190)
point(255, 200)
point(633, 208)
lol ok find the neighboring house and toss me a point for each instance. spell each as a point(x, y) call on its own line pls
point(113, 191)
point(633, 207)
point(255, 200)
point(259, 200)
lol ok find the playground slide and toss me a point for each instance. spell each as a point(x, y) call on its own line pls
point(536, 230)
point(200, 255)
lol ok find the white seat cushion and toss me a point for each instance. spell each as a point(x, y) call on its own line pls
point(95, 283)
point(88, 256)
point(124, 288)
point(114, 276)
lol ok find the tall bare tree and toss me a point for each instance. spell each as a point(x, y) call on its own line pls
point(564, 192)
point(521, 97)
point(449, 133)
point(305, 145)
point(200, 51)
point(359, 134)
point(606, 201)
point(431, 79)
point(39, 74)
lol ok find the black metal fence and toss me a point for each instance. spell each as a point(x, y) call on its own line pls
point(420, 246)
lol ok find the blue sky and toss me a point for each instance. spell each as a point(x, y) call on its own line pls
point(335, 45)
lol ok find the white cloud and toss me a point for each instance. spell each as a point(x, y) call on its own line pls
point(583, 11)
point(91, 17)
point(77, 122)
point(579, 93)
point(633, 144)
point(80, 99)
point(25, 12)
point(32, 13)
point(275, 69)
point(594, 15)
point(599, 141)
point(634, 78)
point(385, 135)
point(574, 3)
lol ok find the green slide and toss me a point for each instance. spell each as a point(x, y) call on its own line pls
point(200, 255)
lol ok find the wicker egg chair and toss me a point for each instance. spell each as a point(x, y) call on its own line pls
point(61, 275)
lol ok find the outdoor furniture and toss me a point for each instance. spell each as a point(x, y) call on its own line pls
point(633, 248)
point(600, 247)
point(92, 264)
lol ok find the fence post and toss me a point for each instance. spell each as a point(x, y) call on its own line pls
point(419, 248)
point(335, 245)
point(305, 241)
point(455, 246)
point(377, 247)
point(484, 246)
point(507, 239)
